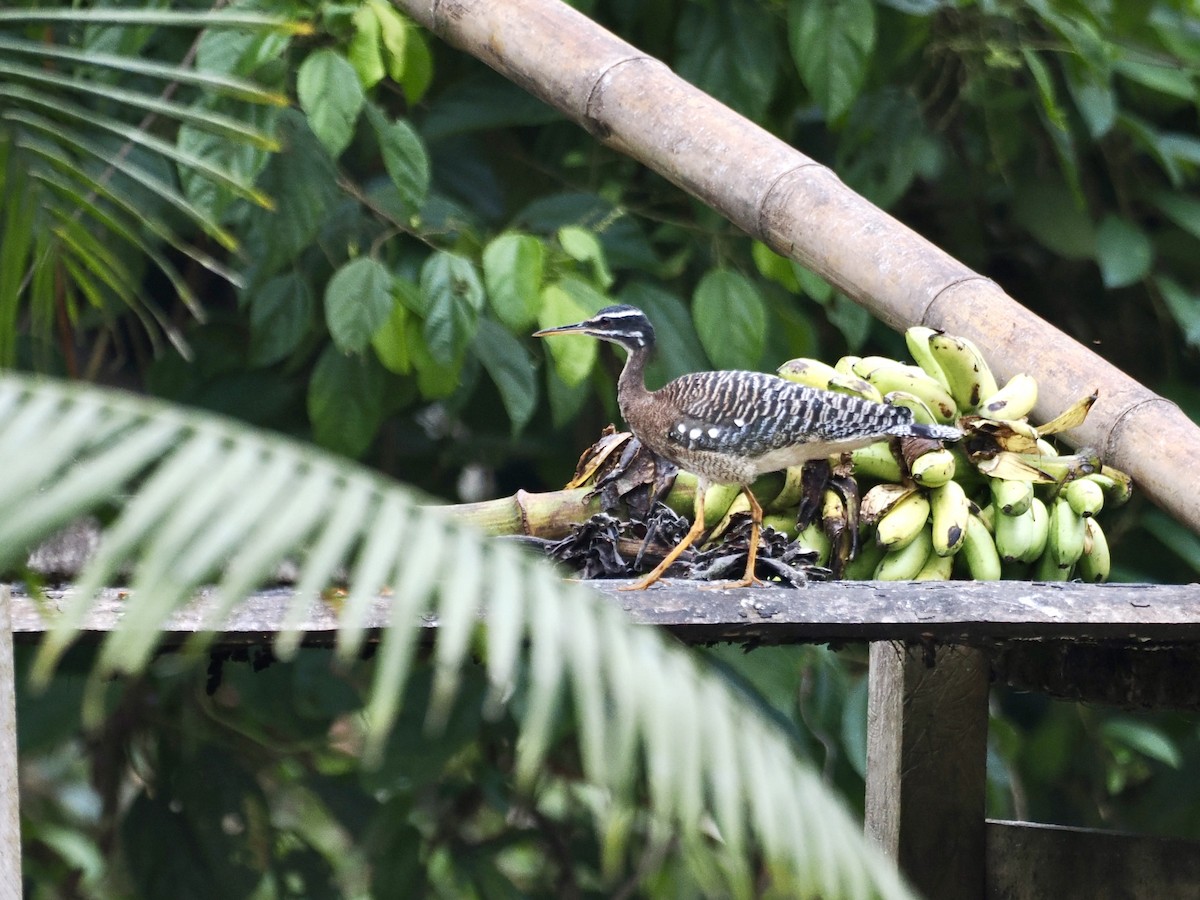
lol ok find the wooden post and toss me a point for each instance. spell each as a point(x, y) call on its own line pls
point(927, 721)
point(10, 819)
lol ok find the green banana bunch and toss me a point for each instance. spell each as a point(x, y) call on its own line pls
point(1004, 502)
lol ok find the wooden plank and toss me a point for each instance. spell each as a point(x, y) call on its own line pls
point(1031, 862)
point(927, 723)
point(951, 612)
point(10, 819)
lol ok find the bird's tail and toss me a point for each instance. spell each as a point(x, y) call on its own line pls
point(934, 432)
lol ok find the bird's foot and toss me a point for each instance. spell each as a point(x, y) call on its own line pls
point(641, 585)
point(748, 581)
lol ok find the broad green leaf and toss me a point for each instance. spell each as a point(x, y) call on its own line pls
point(1094, 97)
point(332, 97)
point(435, 379)
point(731, 319)
point(831, 43)
point(418, 66)
point(453, 296)
point(1123, 251)
point(303, 183)
point(573, 355)
point(1158, 75)
point(365, 52)
point(511, 367)
point(281, 314)
point(393, 33)
point(1184, 306)
point(1049, 211)
point(513, 268)
point(1143, 738)
point(358, 300)
point(390, 342)
point(404, 157)
point(1046, 90)
point(730, 49)
point(1180, 209)
point(583, 246)
point(774, 267)
point(345, 401)
point(812, 284)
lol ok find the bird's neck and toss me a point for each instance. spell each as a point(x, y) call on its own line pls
point(631, 386)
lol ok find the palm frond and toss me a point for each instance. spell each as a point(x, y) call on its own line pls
point(69, 124)
point(211, 499)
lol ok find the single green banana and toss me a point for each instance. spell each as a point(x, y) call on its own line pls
point(1048, 570)
point(1117, 486)
point(808, 372)
point(904, 563)
point(933, 468)
point(1064, 544)
point(846, 364)
point(970, 379)
point(878, 500)
point(876, 461)
point(789, 495)
point(813, 538)
point(1021, 538)
point(950, 510)
point(863, 366)
point(1096, 562)
point(914, 380)
point(903, 522)
point(1013, 401)
point(1012, 498)
point(781, 522)
point(979, 551)
point(922, 414)
point(936, 568)
point(855, 387)
point(862, 567)
point(917, 339)
point(1085, 496)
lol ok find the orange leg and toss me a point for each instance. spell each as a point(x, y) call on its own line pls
point(756, 515)
point(693, 533)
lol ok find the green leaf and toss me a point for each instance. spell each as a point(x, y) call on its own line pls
point(583, 246)
point(831, 44)
point(1143, 738)
point(1094, 97)
point(390, 342)
point(1046, 91)
point(418, 66)
point(1123, 251)
point(332, 97)
point(573, 355)
point(404, 157)
point(511, 367)
point(1049, 211)
point(1184, 307)
point(513, 268)
point(453, 296)
point(774, 267)
point(1180, 209)
point(1158, 76)
point(281, 314)
point(731, 319)
point(393, 32)
point(364, 52)
point(730, 50)
point(358, 300)
point(345, 401)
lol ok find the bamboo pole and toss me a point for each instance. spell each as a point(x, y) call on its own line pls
point(634, 103)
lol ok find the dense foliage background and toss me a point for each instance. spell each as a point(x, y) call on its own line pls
point(424, 216)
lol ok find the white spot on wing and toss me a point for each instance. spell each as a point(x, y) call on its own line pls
point(694, 434)
point(714, 433)
point(739, 422)
point(681, 428)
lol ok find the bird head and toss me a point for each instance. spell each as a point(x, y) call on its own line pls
point(624, 325)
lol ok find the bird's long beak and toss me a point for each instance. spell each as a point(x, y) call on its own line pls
point(564, 329)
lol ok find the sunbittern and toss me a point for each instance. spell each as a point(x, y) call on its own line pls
point(731, 427)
